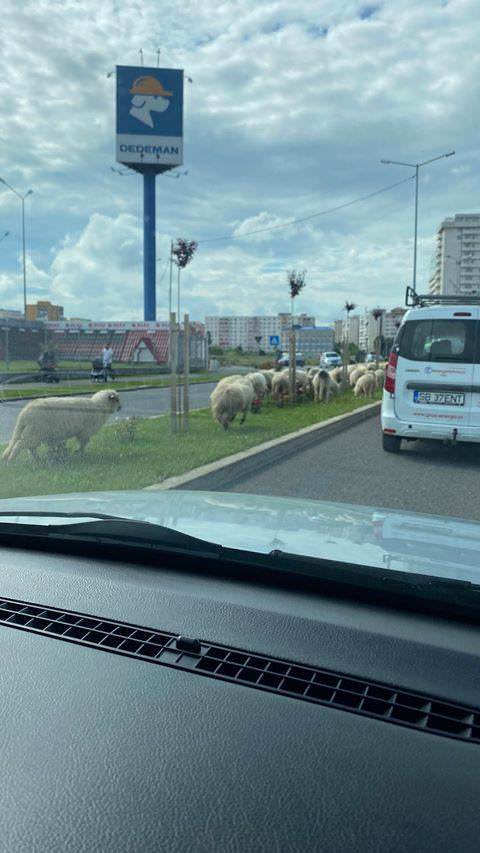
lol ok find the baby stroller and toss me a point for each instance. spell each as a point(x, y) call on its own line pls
point(97, 373)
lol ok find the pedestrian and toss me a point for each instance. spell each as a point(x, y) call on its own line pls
point(107, 360)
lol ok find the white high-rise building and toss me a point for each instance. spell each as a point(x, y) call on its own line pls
point(242, 331)
point(456, 270)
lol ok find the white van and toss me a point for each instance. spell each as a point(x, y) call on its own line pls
point(432, 381)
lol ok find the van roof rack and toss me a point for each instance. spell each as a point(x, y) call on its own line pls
point(420, 300)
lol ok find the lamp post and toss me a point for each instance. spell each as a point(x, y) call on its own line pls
point(417, 167)
point(22, 199)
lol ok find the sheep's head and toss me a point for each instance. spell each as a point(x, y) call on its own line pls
point(109, 399)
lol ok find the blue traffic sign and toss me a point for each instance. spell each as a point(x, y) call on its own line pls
point(149, 116)
point(274, 340)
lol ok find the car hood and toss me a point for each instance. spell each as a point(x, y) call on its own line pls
point(383, 538)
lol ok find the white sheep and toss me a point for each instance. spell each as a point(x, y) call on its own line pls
point(280, 385)
point(53, 420)
point(268, 374)
point(227, 380)
point(324, 386)
point(337, 374)
point(356, 374)
point(259, 384)
point(366, 385)
point(380, 377)
point(228, 400)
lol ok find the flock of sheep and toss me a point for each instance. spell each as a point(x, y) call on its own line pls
point(237, 394)
point(54, 420)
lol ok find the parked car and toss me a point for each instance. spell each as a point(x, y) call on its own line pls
point(432, 382)
point(330, 359)
point(284, 361)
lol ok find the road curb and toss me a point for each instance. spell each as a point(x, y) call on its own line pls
point(223, 472)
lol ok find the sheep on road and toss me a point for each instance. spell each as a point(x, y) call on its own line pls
point(53, 420)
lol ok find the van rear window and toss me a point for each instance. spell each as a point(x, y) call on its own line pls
point(438, 340)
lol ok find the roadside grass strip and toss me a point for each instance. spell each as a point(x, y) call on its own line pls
point(134, 454)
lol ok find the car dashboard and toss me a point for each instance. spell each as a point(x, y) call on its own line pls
point(149, 709)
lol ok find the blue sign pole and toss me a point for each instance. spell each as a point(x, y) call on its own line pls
point(149, 251)
point(149, 139)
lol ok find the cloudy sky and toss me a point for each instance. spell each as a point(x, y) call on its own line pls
point(291, 108)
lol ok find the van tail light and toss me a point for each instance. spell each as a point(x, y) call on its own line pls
point(391, 372)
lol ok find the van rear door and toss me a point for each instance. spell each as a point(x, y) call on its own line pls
point(435, 369)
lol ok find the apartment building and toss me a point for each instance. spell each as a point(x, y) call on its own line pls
point(456, 262)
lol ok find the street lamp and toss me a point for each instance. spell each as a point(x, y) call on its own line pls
point(417, 167)
point(22, 199)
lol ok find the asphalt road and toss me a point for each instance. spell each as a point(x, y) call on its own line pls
point(151, 401)
point(351, 467)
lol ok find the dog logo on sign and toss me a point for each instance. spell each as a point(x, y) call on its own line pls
point(149, 97)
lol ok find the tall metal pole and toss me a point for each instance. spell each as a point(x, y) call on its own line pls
point(24, 262)
point(414, 283)
point(178, 294)
point(417, 167)
point(149, 253)
point(171, 277)
point(186, 370)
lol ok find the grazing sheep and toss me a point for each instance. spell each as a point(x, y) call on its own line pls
point(366, 385)
point(227, 380)
point(355, 375)
point(53, 420)
point(371, 365)
point(380, 377)
point(259, 384)
point(324, 386)
point(268, 374)
point(337, 374)
point(228, 400)
point(311, 371)
point(280, 386)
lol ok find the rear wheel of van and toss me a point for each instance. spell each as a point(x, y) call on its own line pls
point(391, 443)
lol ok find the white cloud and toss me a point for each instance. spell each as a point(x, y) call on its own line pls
point(291, 109)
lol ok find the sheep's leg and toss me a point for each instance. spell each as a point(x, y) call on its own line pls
point(13, 452)
point(244, 415)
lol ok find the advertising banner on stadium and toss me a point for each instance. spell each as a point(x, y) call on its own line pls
point(149, 117)
point(114, 326)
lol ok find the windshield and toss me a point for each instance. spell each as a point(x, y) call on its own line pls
point(207, 224)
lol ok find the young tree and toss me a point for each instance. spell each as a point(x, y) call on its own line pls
point(182, 253)
point(348, 307)
point(296, 283)
point(258, 339)
point(378, 313)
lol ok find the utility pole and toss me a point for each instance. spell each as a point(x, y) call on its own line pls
point(417, 167)
point(22, 199)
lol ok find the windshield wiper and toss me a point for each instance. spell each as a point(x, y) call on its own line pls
point(127, 537)
point(108, 529)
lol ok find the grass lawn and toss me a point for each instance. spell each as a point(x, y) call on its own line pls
point(112, 462)
point(65, 388)
point(19, 366)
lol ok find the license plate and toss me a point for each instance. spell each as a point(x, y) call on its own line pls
point(439, 398)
